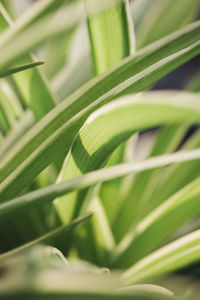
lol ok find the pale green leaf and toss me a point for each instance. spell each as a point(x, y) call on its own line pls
point(173, 256)
point(95, 143)
point(152, 13)
point(130, 211)
point(31, 84)
point(111, 39)
point(158, 225)
point(90, 179)
point(37, 149)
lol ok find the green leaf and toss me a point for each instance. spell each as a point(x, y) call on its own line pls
point(176, 255)
point(159, 188)
point(182, 174)
point(49, 238)
point(31, 84)
point(10, 108)
point(158, 225)
point(110, 36)
point(147, 15)
point(130, 211)
point(26, 122)
point(179, 12)
point(185, 173)
point(95, 143)
point(59, 127)
point(24, 36)
point(111, 39)
point(148, 292)
point(6, 117)
point(115, 189)
point(4, 73)
point(47, 194)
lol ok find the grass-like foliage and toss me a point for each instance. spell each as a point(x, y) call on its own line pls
point(99, 175)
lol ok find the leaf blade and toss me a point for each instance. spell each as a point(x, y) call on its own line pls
point(93, 95)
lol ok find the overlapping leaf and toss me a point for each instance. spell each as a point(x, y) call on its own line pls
point(58, 128)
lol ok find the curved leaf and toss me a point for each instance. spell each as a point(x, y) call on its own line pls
point(158, 225)
point(49, 238)
point(173, 256)
point(47, 194)
point(58, 129)
point(95, 143)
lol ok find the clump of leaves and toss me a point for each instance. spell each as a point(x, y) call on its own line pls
point(77, 172)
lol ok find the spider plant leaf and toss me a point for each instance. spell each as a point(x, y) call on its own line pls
point(31, 84)
point(129, 210)
point(183, 174)
point(26, 121)
point(156, 12)
point(17, 9)
point(111, 39)
point(34, 13)
point(110, 36)
point(147, 14)
point(4, 73)
point(93, 178)
point(6, 117)
point(147, 291)
point(169, 216)
point(101, 227)
point(11, 109)
point(37, 149)
point(23, 37)
point(94, 143)
point(26, 22)
point(173, 256)
point(1, 139)
point(97, 233)
point(159, 188)
point(49, 238)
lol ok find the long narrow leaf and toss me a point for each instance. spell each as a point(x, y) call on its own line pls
point(31, 84)
point(48, 238)
point(176, 255)
point(130, 211)
point(39, 146)
point(49, 193)
point(19, 69)
point(112, 39)
point(158, 225)
point(95, 143)
point(179, 12)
